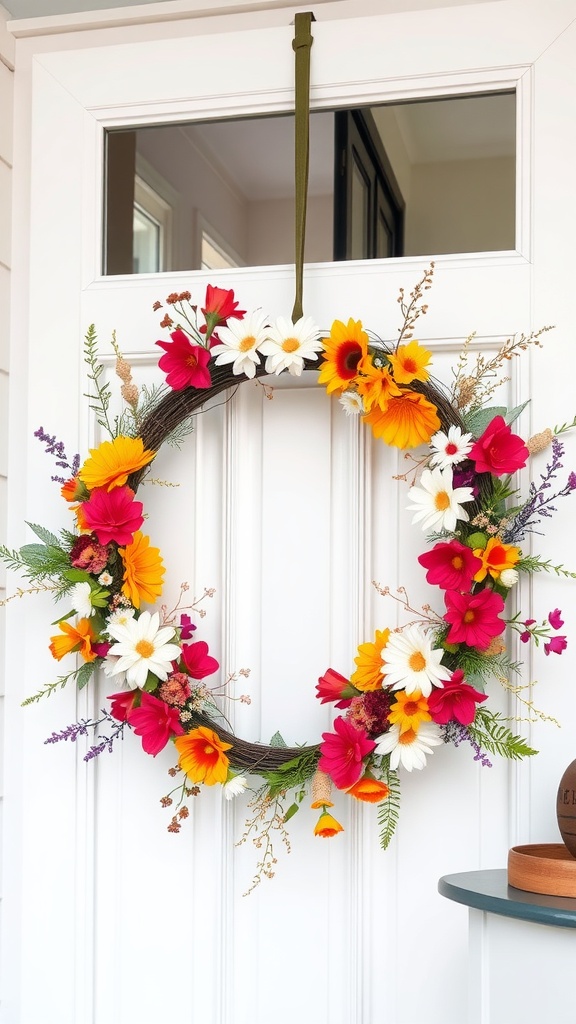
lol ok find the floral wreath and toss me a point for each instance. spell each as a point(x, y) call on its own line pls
point(414, 687)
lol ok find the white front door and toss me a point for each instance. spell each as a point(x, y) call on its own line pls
point(289, 512)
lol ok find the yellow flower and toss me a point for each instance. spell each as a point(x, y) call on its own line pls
point(143, 570)
point(368, 675)
point(409, 362)
point(369, 789)
point(496, 557)
point(327, 826)
point(406, 422)
point(409, 710)
point(376, 385)
point(76, 638)
point(202, 756)
point(112, 462)
point(343, 350)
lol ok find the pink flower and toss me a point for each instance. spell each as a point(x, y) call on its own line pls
point(473, 618)
point(87, 553)
point(185, 364)
point(187, 627)
point(556, 645)
point(113, 515)
point(451, 565)
point(101, 649)
point(342, 753)
point(332, 687)
point(455, 701)
point(197, 661)
point(155, 722)
point(122, 704)
point(527, 634)
point(555, 619)
point(498, 450)
point(219, 307)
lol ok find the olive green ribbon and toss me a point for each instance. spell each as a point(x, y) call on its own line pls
point(301, 44)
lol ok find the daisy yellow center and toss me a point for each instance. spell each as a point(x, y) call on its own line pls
point(457, 562)
point(191, 361)
point(144, 648)
point(417, 661)
point(407, 737)
point(469, 616)
point(247, 343)
point(442, 501)
point(290, 345)
point(451, 448)
point(208, 749)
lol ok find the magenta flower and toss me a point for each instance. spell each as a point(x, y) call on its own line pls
point(527, 634)
point(113, 515)
point(185, 364)
point(473, 618)
point(456, 701)
point(155, 723)
point(342, 753)
point(122, 703)
point(198, 663)
point(556, 645)
point(187, 627)
point(451, 565)
point(333, 687)
point(555, 619)
point(498, 450)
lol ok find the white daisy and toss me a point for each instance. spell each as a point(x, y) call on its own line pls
point(241, 341)
point(409, 748)
point(451, 448)
point(436, 502)
point(120, 617)
point(352, 403)
point(143, 646)
point(288, 345)
point(234, 786)
point(81, 598)
point(411, 663)
point(106, 579)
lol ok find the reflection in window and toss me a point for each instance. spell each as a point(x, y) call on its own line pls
point(147, 243)
point(453, 160)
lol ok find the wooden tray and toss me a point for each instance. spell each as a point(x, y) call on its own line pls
point(547, 868)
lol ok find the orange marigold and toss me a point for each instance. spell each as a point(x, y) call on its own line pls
point(376, 385)
point(369, 789)
point(202, 756)
point(143, 570)
point(112, 462)
point(407, 421)
point(409, 363)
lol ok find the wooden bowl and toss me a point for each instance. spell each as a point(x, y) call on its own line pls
point(547, 868)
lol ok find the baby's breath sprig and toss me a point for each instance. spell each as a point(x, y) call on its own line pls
point(269, 816)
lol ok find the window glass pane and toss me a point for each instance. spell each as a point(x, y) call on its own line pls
point(147, 233)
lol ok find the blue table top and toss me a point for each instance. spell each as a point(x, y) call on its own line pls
point(489, 891)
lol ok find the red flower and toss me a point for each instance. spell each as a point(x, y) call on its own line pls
point(456, 700)
point(498, 450)
point(185, 364)
point(451, 565)
point(342, 753)
point(197, 661)
point(87, 553)
point(556, 645)
point(333, 687)
point(122, 704)
point(155, 722)
point(474, 618)
point(113, 515)
point(220, 307)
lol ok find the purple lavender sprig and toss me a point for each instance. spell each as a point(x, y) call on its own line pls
point(56, 448)
point(106, 742)
point(455, 733)
point(540, 504)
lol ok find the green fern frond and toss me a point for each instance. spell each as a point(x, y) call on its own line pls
point(489, 732)
point(389, 809)
point(534, 563)
point(292, 774)
point(100, 399)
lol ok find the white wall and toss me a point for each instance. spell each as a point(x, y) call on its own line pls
point(271, 231)
point(6, 97)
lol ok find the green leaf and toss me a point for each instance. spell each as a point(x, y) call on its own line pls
point(49, 539)
point(514, 413)
point(84, 673)
point(76, 576)
point(388, 809)
point(477, 421)
point(277, 740)
point(291, 812)
point(491, 734)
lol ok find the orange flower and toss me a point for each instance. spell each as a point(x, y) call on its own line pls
point(143, 570)
point(343, 351)
point(202, 756)
point(407, 421)
point(496, 557)
point(112, 462)
point(76, 638)
point(327, 826)
point(409, 710)
point(409, 362)
point(376, 385)
point(369, 789)
point(368, 675)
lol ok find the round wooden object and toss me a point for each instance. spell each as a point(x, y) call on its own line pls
point(548, 868)
point(566, 807)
